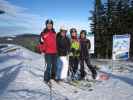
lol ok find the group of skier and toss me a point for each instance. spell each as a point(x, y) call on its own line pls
point(63, 55)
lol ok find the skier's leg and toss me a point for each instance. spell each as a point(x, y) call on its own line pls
point(71, 67)
point(82, 72)
point(54, 66)
point(76, 63)
point(75, 67)
point(59, 68)
point(92, 69)
point(64, 67)
point(47, 72)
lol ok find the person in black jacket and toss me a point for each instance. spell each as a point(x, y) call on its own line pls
point(63, 47)
point(84, 55)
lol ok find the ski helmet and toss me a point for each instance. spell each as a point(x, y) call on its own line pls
point(49, 21)
point(73, 30)
point(83, 32)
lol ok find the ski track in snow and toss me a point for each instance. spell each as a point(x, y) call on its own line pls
point(21, 78)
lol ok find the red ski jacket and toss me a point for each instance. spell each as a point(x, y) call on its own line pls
point(48, 45)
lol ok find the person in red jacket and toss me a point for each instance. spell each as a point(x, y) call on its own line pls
point(49, 47)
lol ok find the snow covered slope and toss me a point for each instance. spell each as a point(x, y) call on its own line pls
point(21, 78)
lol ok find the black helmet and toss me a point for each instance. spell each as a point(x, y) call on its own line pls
point(49, 21)
point(83, 32)
point(73, 30)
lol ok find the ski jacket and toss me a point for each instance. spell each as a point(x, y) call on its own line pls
point(48, 43)
point(84, 48)
point(75, 48)
point(63, 45)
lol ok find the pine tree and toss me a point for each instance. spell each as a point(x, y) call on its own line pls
point(97, 26)
point(113, 18)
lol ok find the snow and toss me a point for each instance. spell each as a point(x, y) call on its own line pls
point(9, 39)
point(21, 78)
point(13, 36)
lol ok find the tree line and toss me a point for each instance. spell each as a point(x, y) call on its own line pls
point(111, 17)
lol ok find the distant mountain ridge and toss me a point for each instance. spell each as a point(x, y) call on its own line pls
point(26, 40)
